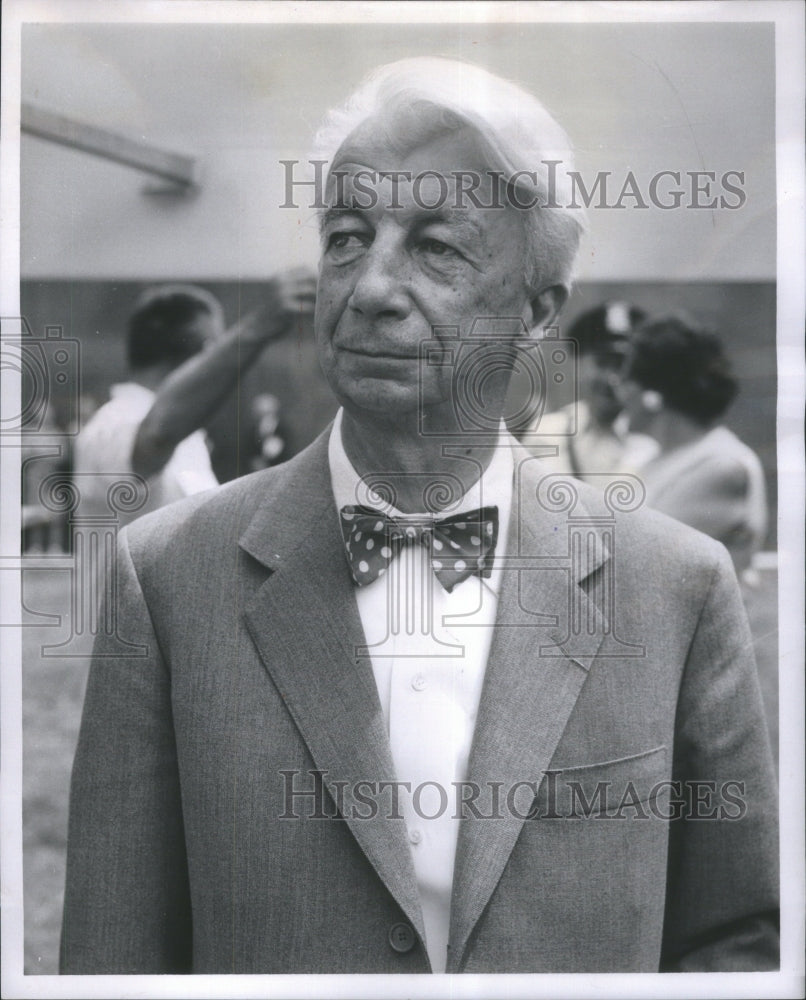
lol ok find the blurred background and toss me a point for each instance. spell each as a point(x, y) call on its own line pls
point(237, 100)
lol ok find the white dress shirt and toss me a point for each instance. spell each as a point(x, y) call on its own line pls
point(104, 449)
point(429, 651)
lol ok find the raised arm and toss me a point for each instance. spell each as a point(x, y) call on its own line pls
point(195, 390)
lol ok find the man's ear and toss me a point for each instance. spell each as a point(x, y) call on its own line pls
point(546, 306)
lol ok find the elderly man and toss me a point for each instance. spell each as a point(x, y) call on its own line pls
point(406, 703)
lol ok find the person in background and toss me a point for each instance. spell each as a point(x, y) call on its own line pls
point(183, 365)
point(268, 431)
point(677, 387)
point(589, 435)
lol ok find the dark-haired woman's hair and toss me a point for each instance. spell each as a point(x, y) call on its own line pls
point(686, 364)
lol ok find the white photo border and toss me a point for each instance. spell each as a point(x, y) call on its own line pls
point(791, 256)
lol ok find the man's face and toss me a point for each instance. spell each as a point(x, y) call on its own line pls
point(631, 395)
point(392, 272)
point(599, 378)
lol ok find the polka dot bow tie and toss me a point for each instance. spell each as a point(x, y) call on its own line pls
point(461, 545)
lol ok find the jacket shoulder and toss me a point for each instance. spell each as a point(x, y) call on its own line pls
point(649, 553)
point(216, 519)
point(649, 536)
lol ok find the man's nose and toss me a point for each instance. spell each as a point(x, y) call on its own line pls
point(380, 287)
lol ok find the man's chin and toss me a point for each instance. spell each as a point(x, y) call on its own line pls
point(381, 397)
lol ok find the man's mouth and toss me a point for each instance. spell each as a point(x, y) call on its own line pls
point(379, 355)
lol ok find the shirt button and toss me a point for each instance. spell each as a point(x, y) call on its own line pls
point(419, 682)
point(415, 836)
point(401, 938)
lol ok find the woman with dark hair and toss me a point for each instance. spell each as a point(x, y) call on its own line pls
point(677, 386)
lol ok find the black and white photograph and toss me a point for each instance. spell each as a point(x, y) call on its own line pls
point(402, 526)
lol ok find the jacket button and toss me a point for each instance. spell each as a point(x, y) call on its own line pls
point(402, 938)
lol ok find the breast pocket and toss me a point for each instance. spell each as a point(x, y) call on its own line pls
point(626, 788)
point(590, 864)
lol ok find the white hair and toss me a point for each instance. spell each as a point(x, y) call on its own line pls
point(414, 100)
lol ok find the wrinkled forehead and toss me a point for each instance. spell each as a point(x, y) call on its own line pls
point(432, 164)
point(389, 136)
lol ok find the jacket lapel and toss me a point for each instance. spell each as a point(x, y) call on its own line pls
point(305, 624)
point(537, 666)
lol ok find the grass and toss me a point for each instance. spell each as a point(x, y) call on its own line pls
point(53, 691)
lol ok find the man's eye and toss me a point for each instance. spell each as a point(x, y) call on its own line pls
point(346, 241)
point(439, 249)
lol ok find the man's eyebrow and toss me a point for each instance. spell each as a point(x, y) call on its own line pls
point(334, 215)
point(462, 222)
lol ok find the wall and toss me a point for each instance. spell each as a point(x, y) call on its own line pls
point(639, 97)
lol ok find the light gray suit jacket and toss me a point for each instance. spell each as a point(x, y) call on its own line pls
point(621, 655)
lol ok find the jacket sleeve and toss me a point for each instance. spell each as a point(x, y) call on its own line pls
point(127, 906)
point(722, 885)
point(725, 501)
